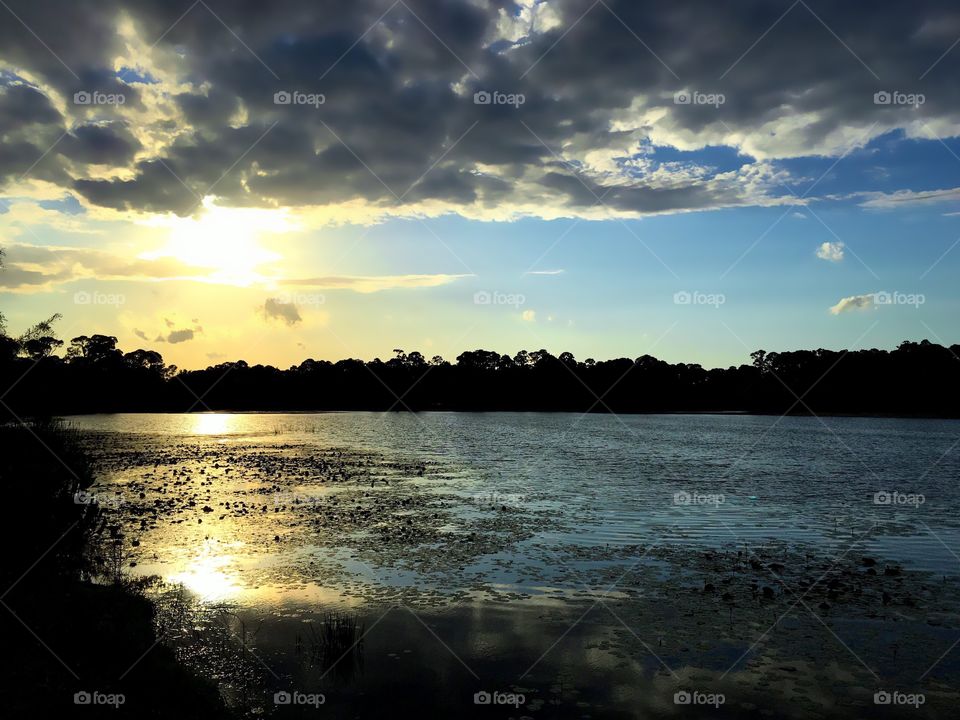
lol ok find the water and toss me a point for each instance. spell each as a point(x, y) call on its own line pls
point(468, 543)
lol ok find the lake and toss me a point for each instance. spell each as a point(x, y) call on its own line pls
point(546, 565)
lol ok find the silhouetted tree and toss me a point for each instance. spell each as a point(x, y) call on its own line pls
point(41, 347)
point(917, 378)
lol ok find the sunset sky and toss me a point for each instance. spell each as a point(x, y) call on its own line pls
point(334, 178)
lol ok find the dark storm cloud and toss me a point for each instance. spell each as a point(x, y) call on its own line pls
point(22, 106)
point(155, 188)
point(108, 144)
point(398, 116)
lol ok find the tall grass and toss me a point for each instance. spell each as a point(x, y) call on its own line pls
point(43, 472)
point(337, 645)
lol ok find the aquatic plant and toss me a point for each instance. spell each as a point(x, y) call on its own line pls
point(338, 643)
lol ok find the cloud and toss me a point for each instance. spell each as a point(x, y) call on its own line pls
point(544, 272)
point(179, 336)
point(373, 283)
point(39, 267)
point(175, 335)
point(33, 268)
point(400, 134)
point(831, 251)
point(904, 198)
point(528, 316)
point(105, 143)
point(279, 310)
point(854, 302)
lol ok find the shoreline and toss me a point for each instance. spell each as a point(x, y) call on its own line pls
point(436, 411)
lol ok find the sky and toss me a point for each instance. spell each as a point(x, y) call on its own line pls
point(331, 178)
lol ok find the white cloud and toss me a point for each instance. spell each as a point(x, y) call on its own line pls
point(854, 302)
point(33, 268)
point(374, 283)
point(40, 267)
point(831, 251)
point(901, 198)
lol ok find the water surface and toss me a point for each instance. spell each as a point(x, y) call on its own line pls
point(595, 564)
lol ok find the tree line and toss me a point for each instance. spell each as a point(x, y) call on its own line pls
point(94, 375)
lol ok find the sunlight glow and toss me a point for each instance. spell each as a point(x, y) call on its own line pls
point(226, 240)
point(206, 577)
point(212, 423)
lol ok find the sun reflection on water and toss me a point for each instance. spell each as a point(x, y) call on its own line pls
point(212, 423)
point(209, 576)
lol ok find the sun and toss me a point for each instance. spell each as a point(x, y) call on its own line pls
point(224, 240)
